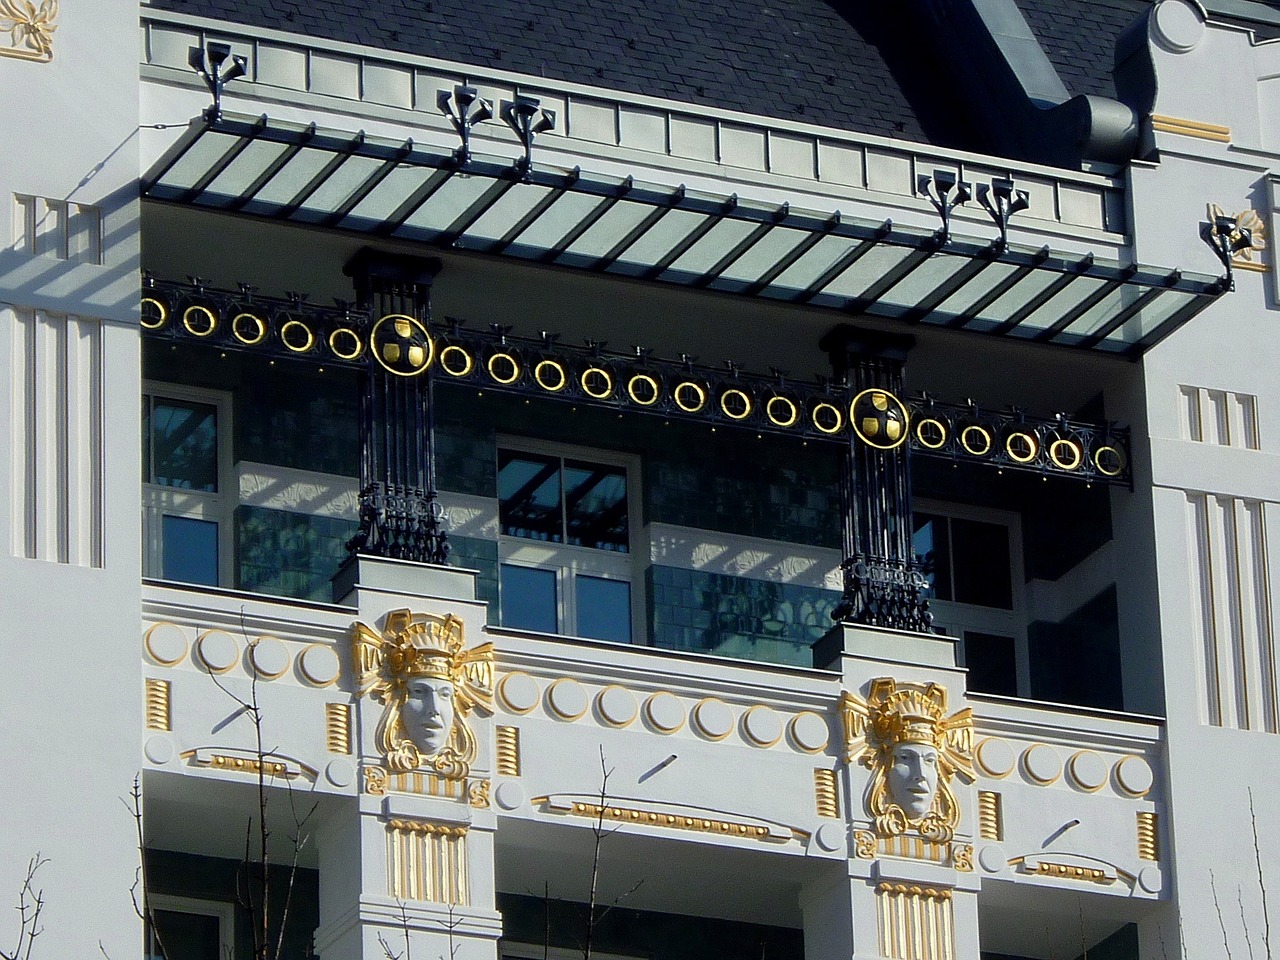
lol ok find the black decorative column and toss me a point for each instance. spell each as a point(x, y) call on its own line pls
point(882, 587)
point(400, 516)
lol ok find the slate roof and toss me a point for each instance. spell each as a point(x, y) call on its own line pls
point(849, 64)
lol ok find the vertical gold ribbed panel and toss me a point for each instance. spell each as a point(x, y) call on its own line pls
point(825, 794)
point(914, 848)
point(1148, 836)
point(427, 861)
point(990, 815)
point(158, 712)
point(916, 923)
point(508, 746)
point(337, 727)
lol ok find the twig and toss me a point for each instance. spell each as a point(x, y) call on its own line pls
point(1226, 947)
point(146, 913)
point(1243, 922)
point(599, 833)
point(1262, 884)
point(30, 905)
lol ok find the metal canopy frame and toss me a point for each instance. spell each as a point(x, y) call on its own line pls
point(568, 217)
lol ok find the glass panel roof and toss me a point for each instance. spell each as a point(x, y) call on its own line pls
point(864, 272)
point(1060, 304)
point(340, 184)
point(193, 164)
point(816, 260)
point(709, 249)
point(241, 173)
point(607, 232)
point(1153, 315)
point(507, 211)
point(658, 241)
point(1099, 314)
point(764, 255)
point(387, 196)
point(966, 297)
point(555, 224)
point(284, 186)
point(447, 204)
point(923, 280)
point(1014, 300)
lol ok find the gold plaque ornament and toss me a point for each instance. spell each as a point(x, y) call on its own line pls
point(1249, 224)
point(401, 345)
point(901, 732)
point(29, 29)
point(879, 419)
point(429, 686)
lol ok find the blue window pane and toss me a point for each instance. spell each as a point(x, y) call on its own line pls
point(604, 608)
point(595, 504)
point(186, 936)
point(184, 445)
point(529, 496)
point(190, 550)
point(528, 598)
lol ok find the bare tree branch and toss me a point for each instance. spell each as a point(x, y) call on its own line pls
point(1248, 940)
point(1262, 884)
point(1226, 947)
point(30, 905)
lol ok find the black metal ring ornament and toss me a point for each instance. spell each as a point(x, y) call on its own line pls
point(456, 362)
point(553, 382)
point(983, 435)
point(289, 329)
point(258, 326)
point(1027, 452)
point(879, 419)
point(791, 416)
point(649, 392)
point(689, 396)
point(189, 322)
point(495, 364)
point(826, 418)
point(346, 352)
point(1073, 458)
point(597, 383)
point(161, 313)
point(931, 433)
point(407, 355)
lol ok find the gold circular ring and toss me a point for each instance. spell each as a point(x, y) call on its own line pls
point(648, 381)
point(867, 428)
point(982, 434)
point(928, 438)
point(835, 422)
point(792, 414)
point(162, 313)
point(599, 394)
point(681, 392)
point(447, 363)
point(546, 383)
point(351, 353)
point(512, 376)
point(418, 356)
point(1071, 460)
point(259, 328)
point(306, 345)
point(1032, 449)
point(1115, 452)
point(724, 405)
point(198, 311)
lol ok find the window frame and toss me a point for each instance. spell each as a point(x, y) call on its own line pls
point(958, 618)
point(160, 500)
point(569, 561)
point(223, 910)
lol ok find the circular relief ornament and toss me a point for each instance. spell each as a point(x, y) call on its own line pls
point(713, 719)
point(762, 725)
point(340, 772)
point(217, 650)
point(1088, 770)
point(879, 419)
point(270, 657)
point(1134, 776)
point(809, 731)
point(1042, 763)
point(165, 643)
point(401, 345)
point(319, 664)
point(567, 699)
point(617, 706)
point(665, 712)
point(518, 692)
point(995, 757)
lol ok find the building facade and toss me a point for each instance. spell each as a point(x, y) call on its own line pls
point(645, 482)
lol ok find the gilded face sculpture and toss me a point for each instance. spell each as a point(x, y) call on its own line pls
point(913, 778)
point(427, 713)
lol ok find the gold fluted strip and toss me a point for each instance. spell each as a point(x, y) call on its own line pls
point(508, 751)
point(825, 795)
point(990, 819)
point(337, 727)
point(916, 923)
point(1148, 836)
point(1191, 128)
point(427, 861)
point(159, 715)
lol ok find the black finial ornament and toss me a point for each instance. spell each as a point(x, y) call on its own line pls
point(208, 63)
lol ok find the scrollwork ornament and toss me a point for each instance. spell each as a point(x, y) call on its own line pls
point(375, 781)
point(30, 28)
point(903, 734)
point(864, 844)
point(429, 686)
point(962, 857)
point(478, 794)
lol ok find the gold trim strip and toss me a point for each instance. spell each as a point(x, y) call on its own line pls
point(825, 795)
point(1252, 265)
point(1148, 836)
point(159, 714)
point(676, 821)
point(1191, 128)
point(990, 815)
point(337, 727)
point(1069, 871)
point(508, 750)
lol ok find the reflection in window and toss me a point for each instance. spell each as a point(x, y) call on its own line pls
point(604, 608)
point(965, 561)
point(562, 501)
point(528, 598)
point(180, 444)
point(184, 936)
point(992, 663)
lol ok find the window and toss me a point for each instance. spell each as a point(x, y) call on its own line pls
point(190, 929)
point(565, 518)
point(972, 559)
point(186, 485)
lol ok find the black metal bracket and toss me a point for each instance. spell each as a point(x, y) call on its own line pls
point(208, 63)
point(1226, 237)
point(527, 118)
point(465, 108)
point(938, 191)
point(1001, 199)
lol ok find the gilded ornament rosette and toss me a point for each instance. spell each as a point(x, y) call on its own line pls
point(412, 645)
point(1248, 225)
point(29, 29)
point(894, 713)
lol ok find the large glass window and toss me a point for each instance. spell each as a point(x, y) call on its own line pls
point(565, 521)
point(187, 929)
point(186, 529)
point(971, 559)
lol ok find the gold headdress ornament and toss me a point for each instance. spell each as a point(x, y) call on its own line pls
point(896, 713)
point(422, 645)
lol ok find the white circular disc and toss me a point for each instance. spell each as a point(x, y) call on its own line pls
point(713, 719)
point(617, 705)
point(319, 663)
point(166, 643)
point(158, 749)
point(1088, 770)
point(1177, 25)
point(1134, 776)
point(270, 657)
point(665, 712)
point(519, 692)
point(762, 725)
point(991, 858)
point(1042, 763)
point(509, 795)
point(1151, 879)
point(567, 699)
point(217, 650)
point(340, 772)
point(809, 731)
point(996, 757)
point(830, 837)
